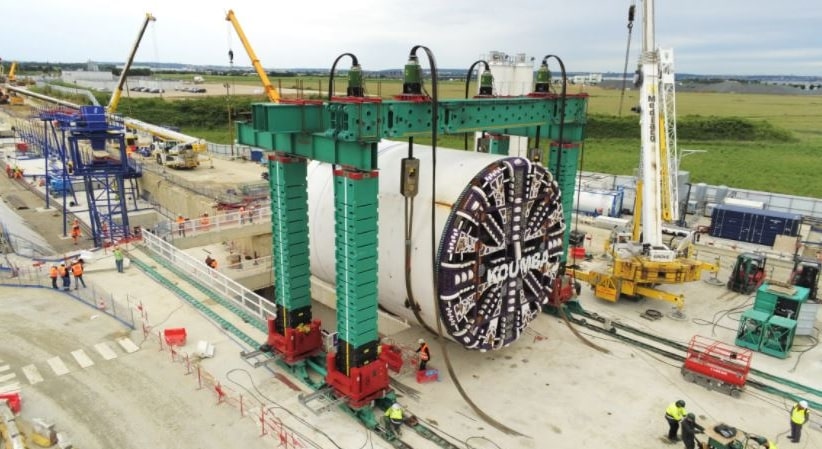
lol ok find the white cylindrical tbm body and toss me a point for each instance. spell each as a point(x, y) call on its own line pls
point(599, 202)
point(497, 235)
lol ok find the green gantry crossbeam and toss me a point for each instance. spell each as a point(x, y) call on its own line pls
point(346, 133)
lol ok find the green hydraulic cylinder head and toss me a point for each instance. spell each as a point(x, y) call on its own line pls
point(355, 83)
point(543, 79)
point(412, 77)
point(486, 83)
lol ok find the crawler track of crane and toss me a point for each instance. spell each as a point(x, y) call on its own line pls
point(419, 428)
point(673, 350)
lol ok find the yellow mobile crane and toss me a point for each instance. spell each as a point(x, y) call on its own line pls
point(12, 77)
point(642, 261)
point(111, 108)
point(270, 90)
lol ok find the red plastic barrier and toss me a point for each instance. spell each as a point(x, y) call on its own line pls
point(175, 336)
point(14, 401)
point(427, 375)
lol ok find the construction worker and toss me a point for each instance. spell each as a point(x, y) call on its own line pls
point(799, 416)
point(424, 352)
point(54, 273)
point(252, 211)
point(393, 418)
point(77, 271)
point(689, 429)
point(75, 230)
point(118, 259)
point(205, 222)
point(242, 214)
point(674, 414)
point(64, 273)
point(211, 262)
point(181, 226)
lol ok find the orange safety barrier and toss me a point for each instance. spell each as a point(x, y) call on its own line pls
point(269, 423)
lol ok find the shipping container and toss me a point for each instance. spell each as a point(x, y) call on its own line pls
point(745, 224)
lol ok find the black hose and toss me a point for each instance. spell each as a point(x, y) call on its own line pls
point(467, 83)
point(333, 67)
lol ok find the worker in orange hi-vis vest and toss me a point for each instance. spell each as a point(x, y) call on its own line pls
point(64, 273)
point(54, 273)
point(75, 233)
point(77, 271)
point(181, 226)
point(425, 354)
point(205, 222)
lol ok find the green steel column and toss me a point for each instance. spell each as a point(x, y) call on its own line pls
point(567, 182)
point(355, 224)
point(289, 232)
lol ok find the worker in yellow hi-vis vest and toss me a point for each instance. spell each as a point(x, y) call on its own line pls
point(674, 414)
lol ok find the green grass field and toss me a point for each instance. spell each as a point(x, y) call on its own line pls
point(781, 167)
point(791, 166)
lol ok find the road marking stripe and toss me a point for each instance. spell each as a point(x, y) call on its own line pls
point(57, 365)
point(128, 345)
point(7, 377)
point(4, 367)
point(105, 351)
point(82, 359)
point(32, 374)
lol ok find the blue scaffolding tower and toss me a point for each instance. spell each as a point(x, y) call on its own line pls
point(97, 153)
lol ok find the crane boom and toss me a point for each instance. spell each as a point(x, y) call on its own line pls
point(12, 77)
point(118, 92)
point(270, 90)
point(650, 120)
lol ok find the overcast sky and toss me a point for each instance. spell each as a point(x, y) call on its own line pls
point(743, 37)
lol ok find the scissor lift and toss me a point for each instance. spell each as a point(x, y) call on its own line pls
point(717, 366)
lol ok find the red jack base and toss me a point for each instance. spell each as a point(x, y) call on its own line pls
point(297, 343)
point(365, 383)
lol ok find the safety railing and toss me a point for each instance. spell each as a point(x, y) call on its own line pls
point(120, 306)
point(239, 296)
point(245, 267)
point(172, 229)
point(224, 151)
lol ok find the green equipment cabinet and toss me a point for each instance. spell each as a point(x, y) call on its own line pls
point(751, 328)
point(781, 299)
point(777, 336)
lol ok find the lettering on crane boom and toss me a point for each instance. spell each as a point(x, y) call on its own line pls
point(652, 117)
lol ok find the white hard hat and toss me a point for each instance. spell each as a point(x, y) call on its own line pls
point(803, 404)
point(396, 406)
point(420, 341)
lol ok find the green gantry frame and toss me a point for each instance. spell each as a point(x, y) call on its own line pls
point(345, 133)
